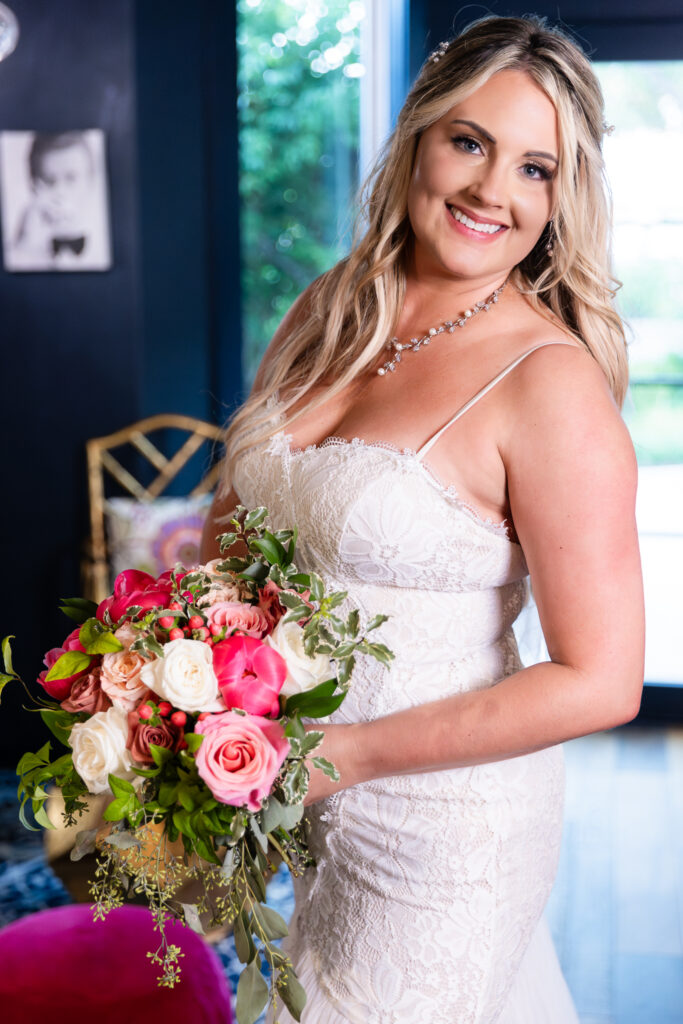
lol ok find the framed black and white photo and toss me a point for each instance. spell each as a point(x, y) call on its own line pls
point(53, 199)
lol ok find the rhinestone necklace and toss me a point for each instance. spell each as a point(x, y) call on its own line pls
point(415, 344)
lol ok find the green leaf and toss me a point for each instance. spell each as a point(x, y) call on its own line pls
point(302, 578)
point(291, 992)
point(295, 783)
point(271, 814)
point(353, 622)
point(121, 787)
point(316, 707)
point(97, 639)
point(325, 689)
point(7, 655)
point(326, 767)
point(293, 601)
point(30, 760)
point(274, 926)
point(4, 680)
point(115, 810)
point(317, 587)
point(256, 571)
point(244, 944)
point(292, 815)
point(252, 994)
point(295, 728)
point(332, 600)
point(194, 741)
point(40, 814)
point(229, 864)
point(234, 564)
point(77, 608)
point(376, 621)
point(270, 547)
point(255, 518)
point(160, 755)
point(226, 540)
point(311, 742)
point(60, 723)
point(68, 664)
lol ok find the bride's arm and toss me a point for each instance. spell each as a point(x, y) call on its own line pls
point(572, 481)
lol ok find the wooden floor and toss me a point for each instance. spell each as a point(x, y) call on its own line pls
point(617, 908)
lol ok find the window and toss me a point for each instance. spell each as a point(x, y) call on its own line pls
point(299, 75)
point(644, 156)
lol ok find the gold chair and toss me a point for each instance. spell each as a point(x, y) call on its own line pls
point(101, 461)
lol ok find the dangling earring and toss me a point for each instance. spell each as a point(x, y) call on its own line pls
point(549, 240)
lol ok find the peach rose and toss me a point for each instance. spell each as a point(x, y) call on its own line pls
point(121, 679)
point(242, 618)
point(87, 695)
point(240, 757)
point(125, 634)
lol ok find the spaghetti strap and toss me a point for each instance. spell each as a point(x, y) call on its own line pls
point(480, 394)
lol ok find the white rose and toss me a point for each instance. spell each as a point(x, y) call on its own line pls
point(185, 676)
point(303, 673)
point(99, 749)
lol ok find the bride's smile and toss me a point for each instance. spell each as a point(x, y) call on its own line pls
point(483, 183)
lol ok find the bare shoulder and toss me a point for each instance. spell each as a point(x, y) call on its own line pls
point(295, 315)
point(561, 386)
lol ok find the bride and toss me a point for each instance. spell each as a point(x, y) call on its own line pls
point(439, 414)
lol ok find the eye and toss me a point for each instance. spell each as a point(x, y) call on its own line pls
point(536, 172)
point(467, 144)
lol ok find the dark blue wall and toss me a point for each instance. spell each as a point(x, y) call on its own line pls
point(86, 353)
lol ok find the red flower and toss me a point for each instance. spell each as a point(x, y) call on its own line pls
point(133, 587)
point(250, 674)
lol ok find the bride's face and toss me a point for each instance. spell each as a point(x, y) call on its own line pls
point(483, 184)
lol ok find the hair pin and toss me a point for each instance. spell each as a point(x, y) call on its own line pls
point(439, 52)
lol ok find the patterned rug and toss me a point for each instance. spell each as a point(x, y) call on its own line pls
point(28, 884)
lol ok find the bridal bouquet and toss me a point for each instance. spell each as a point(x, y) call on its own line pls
point(182, 698)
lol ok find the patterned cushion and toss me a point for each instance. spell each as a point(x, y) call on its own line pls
point(153, 536)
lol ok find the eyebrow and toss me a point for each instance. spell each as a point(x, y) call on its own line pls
point(490, 138)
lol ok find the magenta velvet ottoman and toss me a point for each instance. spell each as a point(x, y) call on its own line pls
point(60, 966)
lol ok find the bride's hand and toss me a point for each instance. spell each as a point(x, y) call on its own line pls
point(340, 747)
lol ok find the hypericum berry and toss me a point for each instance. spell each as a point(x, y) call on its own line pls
point(203, 633)
point(178, 718)
point(175, 606)
point(195, 622)
point(145, 712)
point(176, 633)
point(165, 708)
point(203, 715)
point(215, 630)
point(167, 621)
point(187, 632)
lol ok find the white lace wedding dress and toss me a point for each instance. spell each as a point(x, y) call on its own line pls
point(426, 903)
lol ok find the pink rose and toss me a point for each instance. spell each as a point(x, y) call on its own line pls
point(141, 734)
point(269, 603)
point(240, 757)
point(245, 618)
point(250, 674)
point(120, 678)
point(61, 688)
point(87, 695)
point(133, 587)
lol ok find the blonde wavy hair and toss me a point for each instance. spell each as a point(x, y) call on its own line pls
point(349, 312)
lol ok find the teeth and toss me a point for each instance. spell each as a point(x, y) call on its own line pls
point(487, 229)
